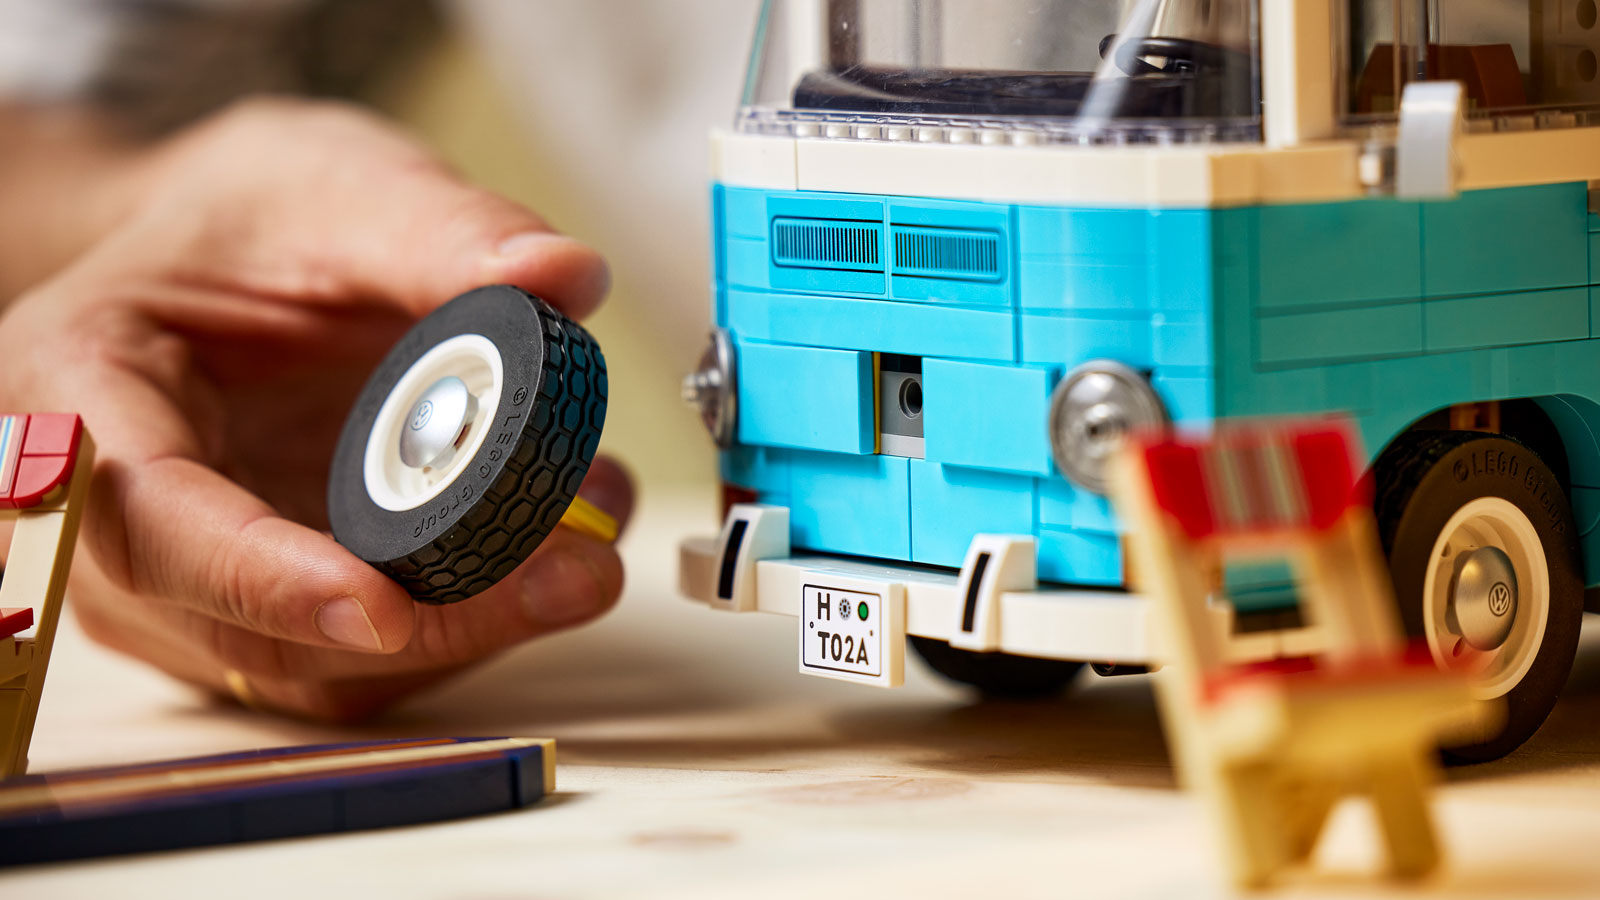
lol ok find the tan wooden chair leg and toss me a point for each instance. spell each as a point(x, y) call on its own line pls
point(1249, 804)
point(13, 705)
point(1307, 806)
point(1399, 787)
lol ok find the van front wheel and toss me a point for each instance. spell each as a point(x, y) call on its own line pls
point(1483, 551)
point(1000, 675)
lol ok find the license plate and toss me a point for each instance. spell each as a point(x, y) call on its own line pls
point(853, 632)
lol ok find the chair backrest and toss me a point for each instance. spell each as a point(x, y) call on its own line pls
point(1253, 481)
point(1253, 489)
point(37, 453)
point(46, 464)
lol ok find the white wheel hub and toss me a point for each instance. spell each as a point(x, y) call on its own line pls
point(391, 482)
point(1486, 595)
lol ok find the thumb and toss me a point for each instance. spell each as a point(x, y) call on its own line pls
point(176, 530)
point(433, 236)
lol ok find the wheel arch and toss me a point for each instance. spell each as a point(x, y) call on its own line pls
point(1577, 421)
point(1564, 429)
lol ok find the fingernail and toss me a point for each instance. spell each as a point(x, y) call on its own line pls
point(600, 285)
point(518, 244)
point(344, 621)
point(563, 589)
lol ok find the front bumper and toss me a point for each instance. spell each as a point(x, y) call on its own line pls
point(1104, 626)
point(993, 603)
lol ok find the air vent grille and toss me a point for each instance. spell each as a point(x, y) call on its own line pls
point(827, 244)
point(947, 253)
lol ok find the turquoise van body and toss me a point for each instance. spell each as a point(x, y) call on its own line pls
point(1384, 310)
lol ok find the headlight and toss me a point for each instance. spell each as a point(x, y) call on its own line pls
point(714, 388)
point(1091, 411)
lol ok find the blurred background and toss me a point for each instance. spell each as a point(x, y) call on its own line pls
point(596, 114)
point(592, 112)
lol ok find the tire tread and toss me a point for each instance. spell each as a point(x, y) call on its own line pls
point(518, 511)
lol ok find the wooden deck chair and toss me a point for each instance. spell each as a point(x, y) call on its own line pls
point(45, 465)
point(1270, 748)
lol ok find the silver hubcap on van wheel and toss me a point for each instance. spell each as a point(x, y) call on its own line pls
point(1486, 595)
point(1484, 598)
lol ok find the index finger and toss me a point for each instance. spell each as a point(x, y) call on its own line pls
point(174, 529)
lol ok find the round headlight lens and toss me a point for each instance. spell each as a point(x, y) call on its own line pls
point(1093, 408)
point(713, 388)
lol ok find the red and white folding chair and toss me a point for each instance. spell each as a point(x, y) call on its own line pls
point(1271, 747)
point(45, 465)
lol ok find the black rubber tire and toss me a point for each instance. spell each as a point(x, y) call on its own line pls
point(523, 477)
point(1420, 482)
point(997, 674)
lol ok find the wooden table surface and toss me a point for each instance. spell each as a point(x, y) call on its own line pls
point(695, 762)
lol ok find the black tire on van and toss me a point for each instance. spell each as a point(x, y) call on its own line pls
point(1483, 550)
point(1000, 675)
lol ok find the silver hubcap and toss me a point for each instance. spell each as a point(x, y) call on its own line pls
point(436, 423)
point(433, 422)
point(1486, 595)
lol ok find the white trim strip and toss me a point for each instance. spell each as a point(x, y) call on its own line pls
point(1196, 176)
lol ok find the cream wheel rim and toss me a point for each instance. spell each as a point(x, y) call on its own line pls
point(1487, 524)
point(396, 486)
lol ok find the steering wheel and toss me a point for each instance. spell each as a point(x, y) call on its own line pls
point(1181, 55)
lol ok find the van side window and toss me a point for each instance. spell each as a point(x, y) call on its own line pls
point(1523, 65)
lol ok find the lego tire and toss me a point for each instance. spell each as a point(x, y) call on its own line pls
point(1429, 484)
point(537, 401)
point(1004, 676)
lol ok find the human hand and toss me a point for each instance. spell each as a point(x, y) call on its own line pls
point(213, 341)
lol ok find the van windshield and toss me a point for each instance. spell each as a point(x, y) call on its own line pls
point(1055, 70)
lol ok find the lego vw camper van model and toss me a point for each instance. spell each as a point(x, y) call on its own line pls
point(961, 248)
